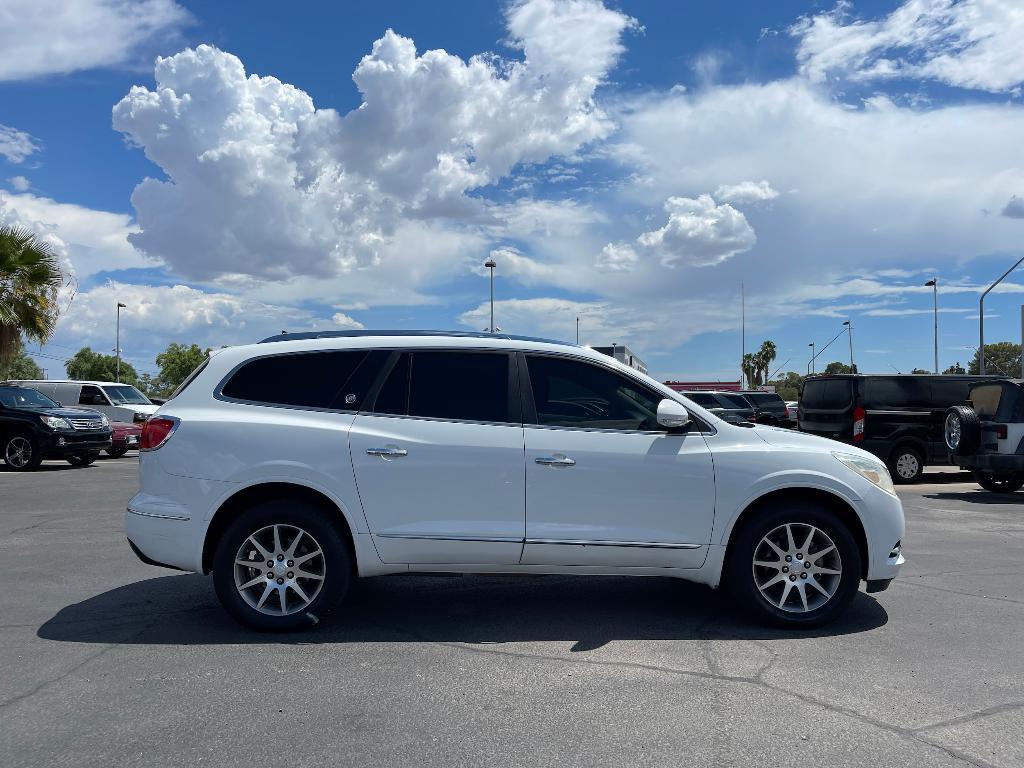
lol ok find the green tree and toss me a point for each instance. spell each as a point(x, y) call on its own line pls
point(1001, 358)
point(835, 368)
point(920, 370)
point(87, 365)
point(176, 363)
point(21, 366)
point(756, 365)
point(29, 280)
point(955, 370)
point(788, 385)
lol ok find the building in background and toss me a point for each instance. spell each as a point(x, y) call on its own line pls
point(705, 386)
point(623, 354)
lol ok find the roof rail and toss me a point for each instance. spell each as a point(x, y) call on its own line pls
point(305, 335)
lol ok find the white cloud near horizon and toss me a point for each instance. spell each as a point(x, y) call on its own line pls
point(55, 37)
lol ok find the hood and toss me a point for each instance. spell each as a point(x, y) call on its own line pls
point(790, 438)
point(71, 413)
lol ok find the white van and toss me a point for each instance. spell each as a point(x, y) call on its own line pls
point(118, 401)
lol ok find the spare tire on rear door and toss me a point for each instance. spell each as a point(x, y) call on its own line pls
point(962, 430)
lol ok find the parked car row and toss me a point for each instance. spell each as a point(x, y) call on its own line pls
point(35, 426)
point(744, 406)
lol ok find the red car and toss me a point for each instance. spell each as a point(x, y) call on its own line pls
point(126, 438)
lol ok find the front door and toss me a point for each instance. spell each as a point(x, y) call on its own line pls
point(605, 485)
point(439, 460)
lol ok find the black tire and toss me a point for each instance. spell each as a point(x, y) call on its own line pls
point(740, 569)
point(117, 453)
point(83, 459)
point(14, 449)
point(906, 465)
point(969, 430)
point(999, 483)
point(337, 564)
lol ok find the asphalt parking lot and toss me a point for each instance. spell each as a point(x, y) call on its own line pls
point(106, 661)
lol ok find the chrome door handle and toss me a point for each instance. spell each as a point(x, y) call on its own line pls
point(387, 452)
point(555, 461)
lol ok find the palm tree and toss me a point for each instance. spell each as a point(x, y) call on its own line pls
point(750, 371)
point(765, 358)
point(29, 280)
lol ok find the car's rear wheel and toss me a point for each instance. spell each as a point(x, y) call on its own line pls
point(794, 564)
point(999, 483)
point(906, 465)
point(21, 453)
point(281, 565)
point(83, 459)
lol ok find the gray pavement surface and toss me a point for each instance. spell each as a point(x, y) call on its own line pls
point(105, 661)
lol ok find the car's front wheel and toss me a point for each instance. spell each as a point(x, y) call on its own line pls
point(21, 453)
point(281, 565)
point(999, 483)
point(794, 564)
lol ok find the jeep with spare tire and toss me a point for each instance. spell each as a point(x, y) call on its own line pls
point(986, 435)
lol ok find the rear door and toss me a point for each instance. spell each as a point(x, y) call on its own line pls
point(826, 407)
point(605, 484)
point(438, 460)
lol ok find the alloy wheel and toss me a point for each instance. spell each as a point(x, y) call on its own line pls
point(18, 452)
point(279, 570)
point(797, 567)
point(953, 431)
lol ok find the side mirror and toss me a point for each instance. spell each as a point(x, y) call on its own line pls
point(672, 415)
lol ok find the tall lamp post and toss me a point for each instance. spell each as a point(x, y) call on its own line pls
point(491, 264)
point(981, 317)
point(934, 285)
point(849, 332)
point(811, 363)
point(117, 341)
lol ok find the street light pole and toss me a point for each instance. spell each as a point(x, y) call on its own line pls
point(117, 342)
point(981, 317)
point(577, 330)
point(849, 332)
point(491, 264)
point(810, 364)
point(934, 283)
point(743, 333)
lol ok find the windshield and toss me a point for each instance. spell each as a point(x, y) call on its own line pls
point(125, 393)
point(23, 397)
point(737, 401)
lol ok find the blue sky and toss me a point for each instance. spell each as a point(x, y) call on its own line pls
point(630, 163)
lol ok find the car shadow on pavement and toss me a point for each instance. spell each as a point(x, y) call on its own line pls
point(977, 497)
point(588, 611)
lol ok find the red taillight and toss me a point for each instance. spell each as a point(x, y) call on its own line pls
point(156, 431)
point(859, 418)
point(1000, 430)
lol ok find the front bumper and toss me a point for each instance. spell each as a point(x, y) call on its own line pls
point(63, 444)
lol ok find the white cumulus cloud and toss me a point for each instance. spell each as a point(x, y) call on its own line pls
point(746, 192)
point(15, 145)
point(45, 37)
point(699, 232)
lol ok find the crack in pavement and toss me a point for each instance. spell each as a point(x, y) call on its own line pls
point(906, 734)
point(997, 709)
point(958, 592)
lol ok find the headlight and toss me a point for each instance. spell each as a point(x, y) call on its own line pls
point(55, 422)
point(871, 470)
point(104, 420)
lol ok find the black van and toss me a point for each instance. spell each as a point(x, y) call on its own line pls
point(897, 418)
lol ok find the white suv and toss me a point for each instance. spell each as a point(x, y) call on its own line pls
point(287, 468)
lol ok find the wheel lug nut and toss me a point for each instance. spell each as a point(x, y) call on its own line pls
point(281, 557)
point(280, 581)
point(270, 575)
point(799, 556)
point(789, 558)
point(291, 563)
point(792, 577)
point(291, 575)
point(803, 575)
point(807, 564)
point(270, 563)
point(785, 569)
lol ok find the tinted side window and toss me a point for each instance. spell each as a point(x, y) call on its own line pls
point(734, 401)
point(91, 396)
point(949, 392)
point(469, 386)
point(305, 379)
point(892, 392)
point(393, 397)
point(704, 398)
point(568, 393)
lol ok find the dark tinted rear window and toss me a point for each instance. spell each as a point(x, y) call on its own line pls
point(827, 394)
point(703, 398)
point(734, 400)
point(465, 386)
point(946, 392)
point(763, 399)
point(303, 379)
point(896, 392)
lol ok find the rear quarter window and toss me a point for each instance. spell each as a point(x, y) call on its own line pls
point(947, 393)
point(303, 379)
point(986, 399)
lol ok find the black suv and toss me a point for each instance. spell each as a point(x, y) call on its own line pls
point(897, 418)
point(33, 427)
point(769, 407)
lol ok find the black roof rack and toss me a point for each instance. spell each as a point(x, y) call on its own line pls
point(304, 335)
